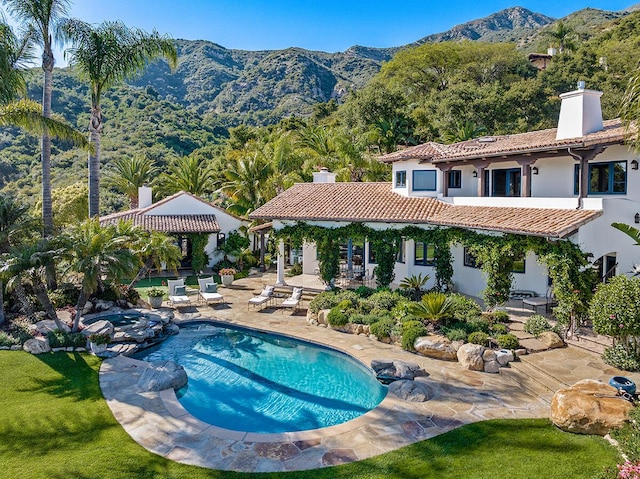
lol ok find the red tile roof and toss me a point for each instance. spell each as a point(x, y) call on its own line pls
point(166, 223)
point(520, 143)
point(376, 202)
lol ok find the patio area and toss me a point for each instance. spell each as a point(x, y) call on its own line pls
point(159, 423)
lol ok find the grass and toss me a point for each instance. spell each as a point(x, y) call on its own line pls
point(54, 424)
point(146, 283)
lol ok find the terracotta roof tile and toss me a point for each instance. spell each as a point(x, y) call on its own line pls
point(166, 223)
point(376, 202)
point(530, 142)
point(366, 202)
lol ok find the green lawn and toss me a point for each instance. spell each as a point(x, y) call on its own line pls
point(54, 424)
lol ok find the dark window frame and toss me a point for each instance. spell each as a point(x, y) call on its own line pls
point(401, 179)
point(455, 179)
point(426, 260)
point(611, 181)
point(425, 172)
point(469, 259)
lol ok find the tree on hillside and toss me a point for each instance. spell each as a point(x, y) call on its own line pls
point(126, 175)
point(104, 55)
point(247, 181)
point(562, 37)
point(42, 17)
point(187, 173)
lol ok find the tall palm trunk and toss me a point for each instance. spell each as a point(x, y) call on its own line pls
point(47, 209)
point(43, 297)
point(95, 132)
point(146, 267)
point(82, 300)
point(2, 316)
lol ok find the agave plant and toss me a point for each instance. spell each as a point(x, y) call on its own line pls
point(415, 284)
point(434, 307)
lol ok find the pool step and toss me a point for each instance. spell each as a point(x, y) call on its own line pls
point(532, 379)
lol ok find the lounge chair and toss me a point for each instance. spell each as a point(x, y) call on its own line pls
point(547, 300)
point(208, 292)
point(178, 293)
point(264, 297)
point(293, 300)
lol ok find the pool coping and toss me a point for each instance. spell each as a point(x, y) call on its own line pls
point(162, 425)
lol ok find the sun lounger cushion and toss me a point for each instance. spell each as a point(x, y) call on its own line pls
point(211, 288)
point(180, 291)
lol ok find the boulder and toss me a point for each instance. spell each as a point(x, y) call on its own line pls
point(551, 340)
point(44, 326)
point(470, 356)
point(87, 308)
point(171, 328)
point(161, 375)
point(322, 316)
point(101, 326)
point(504, 357)
point(37, 346)
point(489, 355)
point(589, 407)
point(412, 391)
point(102, 305)
point(394, 368)
point(438, 347)
point(492, 366)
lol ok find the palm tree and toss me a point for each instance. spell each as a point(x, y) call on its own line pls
point(42, 17)
point(630, 110)
point(190, 174)
point(246, 182)
point(126, 175)
point(463, 131)
point(154, 249)
point(562, 36)
point(106, 55)
point(94, 252)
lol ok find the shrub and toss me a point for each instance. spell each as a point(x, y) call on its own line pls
point(109, 292)
point(500, 317)
point(131, 295)
point(364, 291)
point(383, 328)
point(628, 436)
point(463, 308)
point(456, 334)
point(295, 270)
point(412, 330)
point(326, 300)
point(402, 310)
point(99, 338)
point(60, 339)
point(507, 341)
point(348, 295)
point(617, 356)
point(337, 317)
point(66, 295)
point(479, 323)
point(478, 337)
point(7, 341)
point(385, 300)
point(498, 329)
point(536, 324)
point(433, 307)
point(155, 292)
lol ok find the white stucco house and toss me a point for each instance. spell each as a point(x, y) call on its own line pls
point(180, 215)
point(569, 182)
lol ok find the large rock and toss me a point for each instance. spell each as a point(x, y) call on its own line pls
point(322, 316)
point(412, 391)
point(589, 407)
point(394, 368)
point(101, 326)
point(551, 340)
point(37, 346)
point(470, 356)
point(492, 366)
point(161, 375)
point(438, 347)
point(44, 326)
point(504, 357)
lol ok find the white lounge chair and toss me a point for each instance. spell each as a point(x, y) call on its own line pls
point(293, 300)
point(208, 292)
point(177, 293)
point(547, 300)
point(264, 297)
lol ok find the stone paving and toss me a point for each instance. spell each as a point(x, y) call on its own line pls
point(158, 422)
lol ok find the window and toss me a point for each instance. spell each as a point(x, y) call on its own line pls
point(608, 178)
point(401, 251)
point(519, 265)
point(455, 179)
point(424, 254)
point(469, 259)
point(401, 179)
point(372, 254)
point(506, 182)
point(424, 180)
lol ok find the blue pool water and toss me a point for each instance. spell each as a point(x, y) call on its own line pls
point(249, 381)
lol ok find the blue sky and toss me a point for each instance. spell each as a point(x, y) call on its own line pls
point(327, 25)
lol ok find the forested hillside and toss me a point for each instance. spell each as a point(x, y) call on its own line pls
point(339, 109)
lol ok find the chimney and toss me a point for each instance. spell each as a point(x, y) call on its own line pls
point(145, 197)
point(580, 113)
point(324, 176)
point(551, 51)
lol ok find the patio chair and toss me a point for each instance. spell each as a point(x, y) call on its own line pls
point(178, 293)
point(547, 300)
point(264, 297)
point(293, 300)
point(208, 292)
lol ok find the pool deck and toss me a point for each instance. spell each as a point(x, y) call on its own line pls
point(158, 422)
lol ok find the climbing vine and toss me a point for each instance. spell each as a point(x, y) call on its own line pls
point(572, 280)
point(199, 258)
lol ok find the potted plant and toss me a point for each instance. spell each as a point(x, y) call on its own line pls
point(227, 275)
point(155, 297)
point(98, 342)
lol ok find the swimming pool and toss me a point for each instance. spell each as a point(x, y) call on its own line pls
point(250, 381)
